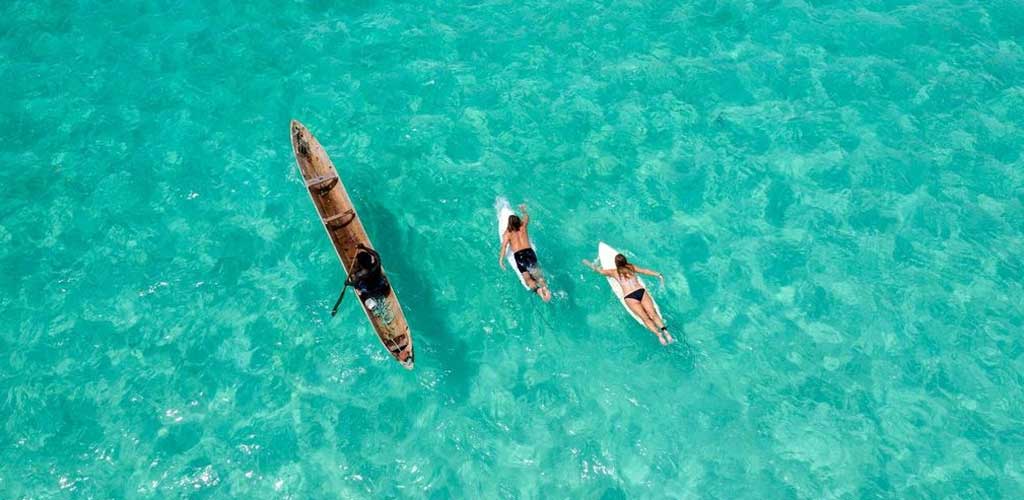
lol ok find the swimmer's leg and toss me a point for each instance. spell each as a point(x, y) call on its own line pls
point(638, 309)
point(542, 285)
point(530, 283)
point(652, 314)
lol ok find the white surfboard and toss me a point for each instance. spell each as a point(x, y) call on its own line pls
point(606, 256)
point(504, 210)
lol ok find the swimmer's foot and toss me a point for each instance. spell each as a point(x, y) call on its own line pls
point(544, 293)
point(667, 335)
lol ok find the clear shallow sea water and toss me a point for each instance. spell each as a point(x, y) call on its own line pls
point(834, 190)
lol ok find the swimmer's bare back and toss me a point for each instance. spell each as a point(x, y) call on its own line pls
point(518, 240)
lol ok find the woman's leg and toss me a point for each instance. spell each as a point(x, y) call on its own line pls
point(652, 313)
point(638, 309)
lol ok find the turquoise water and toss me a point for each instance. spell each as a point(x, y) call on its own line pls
point(834, 190)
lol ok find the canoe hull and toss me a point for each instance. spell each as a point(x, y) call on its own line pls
point(339, 218)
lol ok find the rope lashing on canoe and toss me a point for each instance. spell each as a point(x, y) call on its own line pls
point(397, 347)
point(322, 184)
point(338, 221)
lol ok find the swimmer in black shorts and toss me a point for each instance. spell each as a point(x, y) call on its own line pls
point(526, 259)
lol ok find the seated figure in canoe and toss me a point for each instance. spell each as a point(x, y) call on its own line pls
point(636, 297)
point(517, 238)
point(366, 276)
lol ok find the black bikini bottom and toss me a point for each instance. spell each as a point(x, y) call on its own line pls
point(637, 295)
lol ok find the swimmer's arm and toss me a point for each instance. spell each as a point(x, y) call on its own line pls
point(605, 272)
point(651, 273)
point(526, 215)
point(501, 253)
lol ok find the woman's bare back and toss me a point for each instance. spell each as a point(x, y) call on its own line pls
point(628, 281)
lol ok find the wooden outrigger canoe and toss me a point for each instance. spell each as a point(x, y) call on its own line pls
point(346, 231)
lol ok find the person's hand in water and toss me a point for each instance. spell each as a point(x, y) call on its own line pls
point(501, 251)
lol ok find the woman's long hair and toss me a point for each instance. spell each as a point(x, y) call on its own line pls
point(621, 264)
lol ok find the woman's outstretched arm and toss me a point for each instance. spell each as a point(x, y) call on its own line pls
point(650, 273)
point(597, 269)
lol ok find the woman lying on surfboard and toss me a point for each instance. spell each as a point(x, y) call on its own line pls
point(637, 298)
point(526, 259)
